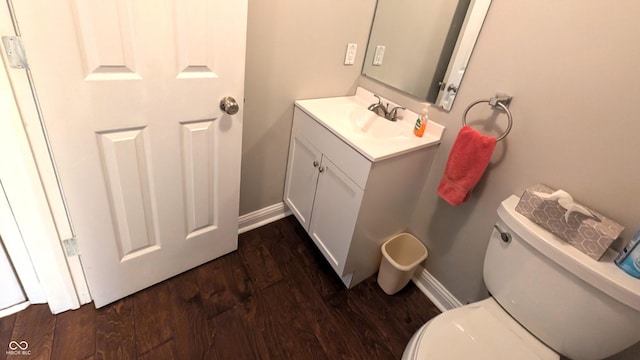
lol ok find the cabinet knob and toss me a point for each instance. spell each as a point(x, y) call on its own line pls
point(315, 164)
point(321, 169)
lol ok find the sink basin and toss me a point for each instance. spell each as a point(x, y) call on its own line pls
point(371, 135)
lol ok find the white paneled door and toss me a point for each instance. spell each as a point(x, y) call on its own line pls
point(149, 163)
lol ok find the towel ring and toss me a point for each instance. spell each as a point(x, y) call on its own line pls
point(500, 100)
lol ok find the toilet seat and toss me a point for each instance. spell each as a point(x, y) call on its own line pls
point(482, 330)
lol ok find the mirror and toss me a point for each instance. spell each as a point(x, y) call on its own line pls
point(422, 47)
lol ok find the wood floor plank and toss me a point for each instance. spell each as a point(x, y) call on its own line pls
point(229, 337)
point(376, 306)
point(278, 310)
point(191, 334)
point(335, 331)
point(251, 311)
point(259, 261)
point(6, 328)
point(352, 310)
point(165, 351)
point(36, 326)
point(288, 333)
point(153, 316)
point(361, 336)
point(305, 252)
point(302, 296)
point(307, 275)
point(411, 310)
point(115, 331)
point(75, 334)
point(310, 304)
point(223, 283)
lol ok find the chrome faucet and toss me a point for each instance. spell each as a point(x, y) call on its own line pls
point(378, 108)
point(383, 110)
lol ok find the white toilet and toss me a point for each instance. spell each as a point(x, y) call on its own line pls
point(547, 298)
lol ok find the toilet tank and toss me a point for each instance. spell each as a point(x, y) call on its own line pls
point(582, 308)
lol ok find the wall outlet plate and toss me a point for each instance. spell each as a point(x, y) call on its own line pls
point(379, 55)
point(350, 57)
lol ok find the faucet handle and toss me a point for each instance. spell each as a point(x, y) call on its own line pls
point(375, 106)
point(386, 106)
point(393, 114)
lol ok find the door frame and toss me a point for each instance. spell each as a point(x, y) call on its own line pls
point(17, 252)
point(30, 183)
point(27, 201)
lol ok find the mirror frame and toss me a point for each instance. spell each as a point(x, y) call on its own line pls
point(469, 33)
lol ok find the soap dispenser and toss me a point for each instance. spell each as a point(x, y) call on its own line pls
point(421, 122)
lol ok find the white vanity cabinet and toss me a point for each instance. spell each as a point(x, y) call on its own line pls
point(347, 203)
point(320, 194)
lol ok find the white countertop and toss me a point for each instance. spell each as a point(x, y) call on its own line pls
point(373, 136)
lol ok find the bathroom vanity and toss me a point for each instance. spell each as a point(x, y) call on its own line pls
point(353, 178)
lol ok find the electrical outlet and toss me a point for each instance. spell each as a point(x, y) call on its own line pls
point(379, 55)
point(350, 57)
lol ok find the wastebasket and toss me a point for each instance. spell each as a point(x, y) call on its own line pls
point(400, 256)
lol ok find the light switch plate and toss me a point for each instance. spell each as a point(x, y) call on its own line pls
point(350, 57)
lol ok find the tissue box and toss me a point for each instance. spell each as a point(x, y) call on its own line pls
point(591, 236)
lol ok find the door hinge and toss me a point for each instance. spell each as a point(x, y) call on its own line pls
point(15, 52)
point(71, 247)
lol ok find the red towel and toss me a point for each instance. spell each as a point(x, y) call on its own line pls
point(467, 162)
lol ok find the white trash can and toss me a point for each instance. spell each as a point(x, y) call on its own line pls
point(400, 256)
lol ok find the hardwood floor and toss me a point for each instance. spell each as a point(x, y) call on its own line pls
point(274, 298)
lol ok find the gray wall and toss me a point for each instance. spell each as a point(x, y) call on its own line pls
point(572, 67)
point(295, 50)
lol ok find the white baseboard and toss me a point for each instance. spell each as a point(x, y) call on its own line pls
point(14, 309)
point(435, 291)
point(263, 216)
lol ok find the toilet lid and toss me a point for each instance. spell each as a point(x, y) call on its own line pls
point(478, 331)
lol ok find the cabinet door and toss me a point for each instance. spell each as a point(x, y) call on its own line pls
point(335, 212)
point(302, 176)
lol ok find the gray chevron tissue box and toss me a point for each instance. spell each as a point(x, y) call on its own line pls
point(585, 229)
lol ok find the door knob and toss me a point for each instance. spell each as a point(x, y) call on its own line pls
point(229, 105)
